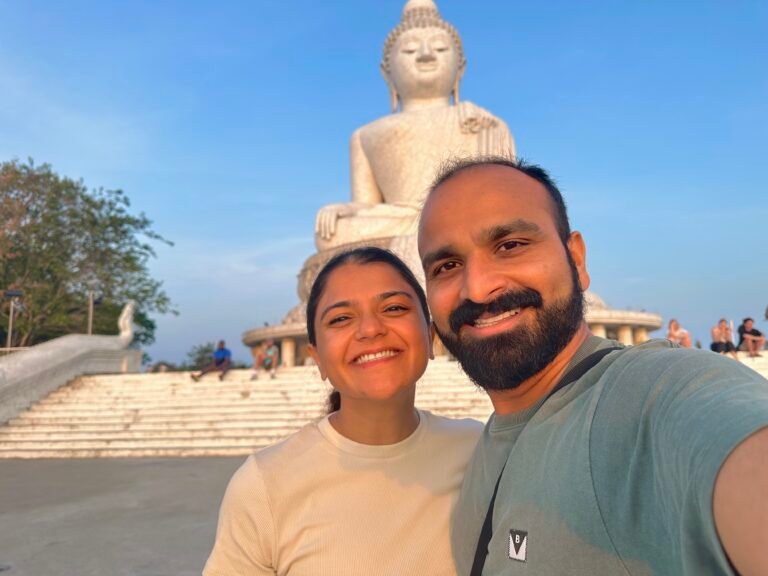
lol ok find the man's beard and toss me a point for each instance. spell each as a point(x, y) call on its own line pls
point(504, 361)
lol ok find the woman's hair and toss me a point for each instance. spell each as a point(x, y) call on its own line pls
point(360, 256)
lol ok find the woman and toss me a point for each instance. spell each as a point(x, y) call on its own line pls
point(678, 334)
point(369, 488)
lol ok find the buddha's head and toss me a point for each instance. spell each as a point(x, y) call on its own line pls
point(423, 55)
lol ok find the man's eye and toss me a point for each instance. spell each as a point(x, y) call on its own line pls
point(509, 245)
point(445, 267)
point(396, 308)
point(338, 319)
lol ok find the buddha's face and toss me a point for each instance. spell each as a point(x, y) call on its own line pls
point(423, 63)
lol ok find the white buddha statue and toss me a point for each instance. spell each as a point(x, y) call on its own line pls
point(394, 159)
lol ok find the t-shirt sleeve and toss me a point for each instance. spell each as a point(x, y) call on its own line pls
point(670, 431)
point(245, 536)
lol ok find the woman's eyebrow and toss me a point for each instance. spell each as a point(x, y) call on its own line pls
point(391, 293)
point(339, 304)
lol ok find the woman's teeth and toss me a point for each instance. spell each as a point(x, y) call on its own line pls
point(377, 356)
point(485, 322)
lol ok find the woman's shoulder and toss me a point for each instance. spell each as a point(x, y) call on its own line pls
point(289, 449)
point(452, 427)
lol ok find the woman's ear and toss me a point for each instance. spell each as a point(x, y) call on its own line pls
point(316, 357)
point(432, 336)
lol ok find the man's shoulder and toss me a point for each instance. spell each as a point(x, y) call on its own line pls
point(661, 363)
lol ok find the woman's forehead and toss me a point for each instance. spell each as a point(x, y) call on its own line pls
point(355, 281)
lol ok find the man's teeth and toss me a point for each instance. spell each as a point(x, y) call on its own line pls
point(377, 356)
point(485, 322)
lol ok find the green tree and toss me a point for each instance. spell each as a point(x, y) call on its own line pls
point(58, 240)
point(199, 356)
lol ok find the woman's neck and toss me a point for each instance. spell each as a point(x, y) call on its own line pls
point(375, 423)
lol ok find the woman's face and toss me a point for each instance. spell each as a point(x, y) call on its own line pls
point(372, 339)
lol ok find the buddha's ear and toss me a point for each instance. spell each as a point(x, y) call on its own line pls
point(393, 97)
point(459, 75)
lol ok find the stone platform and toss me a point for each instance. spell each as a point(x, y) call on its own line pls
point(169, 415)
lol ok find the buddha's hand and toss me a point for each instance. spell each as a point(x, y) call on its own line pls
point(325, 224)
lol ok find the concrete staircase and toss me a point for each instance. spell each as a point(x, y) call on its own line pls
point(169, 415)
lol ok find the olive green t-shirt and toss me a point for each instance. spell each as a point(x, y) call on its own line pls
point(614, 474)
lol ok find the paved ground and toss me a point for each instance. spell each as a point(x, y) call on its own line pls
point(146, 517)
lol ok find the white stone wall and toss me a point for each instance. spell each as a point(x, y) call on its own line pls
point(29, 375)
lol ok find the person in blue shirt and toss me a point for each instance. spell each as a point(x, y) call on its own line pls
point(222, 362)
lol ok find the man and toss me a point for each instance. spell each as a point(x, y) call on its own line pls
point(222, 362)
point(650, 460)
point(750, 338)
point(722, 339)
point(267, 359)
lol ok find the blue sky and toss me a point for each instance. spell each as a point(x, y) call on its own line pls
point(228, 124)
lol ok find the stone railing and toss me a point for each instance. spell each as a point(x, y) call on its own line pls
point(29, 375)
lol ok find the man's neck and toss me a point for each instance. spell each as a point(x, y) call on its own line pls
point(539, 385)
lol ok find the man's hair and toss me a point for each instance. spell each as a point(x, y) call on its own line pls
point(456, 166)
point(748, 319)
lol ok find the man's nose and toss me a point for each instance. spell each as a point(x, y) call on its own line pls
point(482, 282)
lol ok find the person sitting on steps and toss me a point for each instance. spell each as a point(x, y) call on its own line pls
point(222, 362)
point(268, 359)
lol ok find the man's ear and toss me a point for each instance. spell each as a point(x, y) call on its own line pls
point(316, 357)
point(578, 252)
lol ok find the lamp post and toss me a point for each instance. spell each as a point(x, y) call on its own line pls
point(93, 300)
point(90, 312)
point(13, 296)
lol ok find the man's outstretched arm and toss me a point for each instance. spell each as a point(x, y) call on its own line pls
point(741, 505)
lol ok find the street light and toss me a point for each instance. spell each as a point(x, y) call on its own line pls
point(13, 296)
point(92, 301)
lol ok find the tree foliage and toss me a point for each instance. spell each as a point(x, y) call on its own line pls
point(58, 241)
point(199, 356)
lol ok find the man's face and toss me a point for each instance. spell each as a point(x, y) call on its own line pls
point(505, 293)
point(423, 63)
point(748, 324)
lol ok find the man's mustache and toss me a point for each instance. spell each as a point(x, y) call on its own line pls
point(468, 311)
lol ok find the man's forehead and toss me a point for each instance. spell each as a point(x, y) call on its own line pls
point(500, 186)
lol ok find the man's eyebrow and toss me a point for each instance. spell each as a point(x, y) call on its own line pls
point(518, 226)
point(440, 254)
point(339, 304)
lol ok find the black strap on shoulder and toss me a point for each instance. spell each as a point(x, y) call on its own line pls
point(481, 551)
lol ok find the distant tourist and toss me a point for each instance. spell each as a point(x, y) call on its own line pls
point(368, 489)
point(722, 339)
point(222, 362)
point(751, 340)
point(678, 334)
point(267, 359)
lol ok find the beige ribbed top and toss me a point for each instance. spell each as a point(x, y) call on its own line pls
point(319, 504)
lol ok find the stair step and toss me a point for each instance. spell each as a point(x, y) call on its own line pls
point(169, 415)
